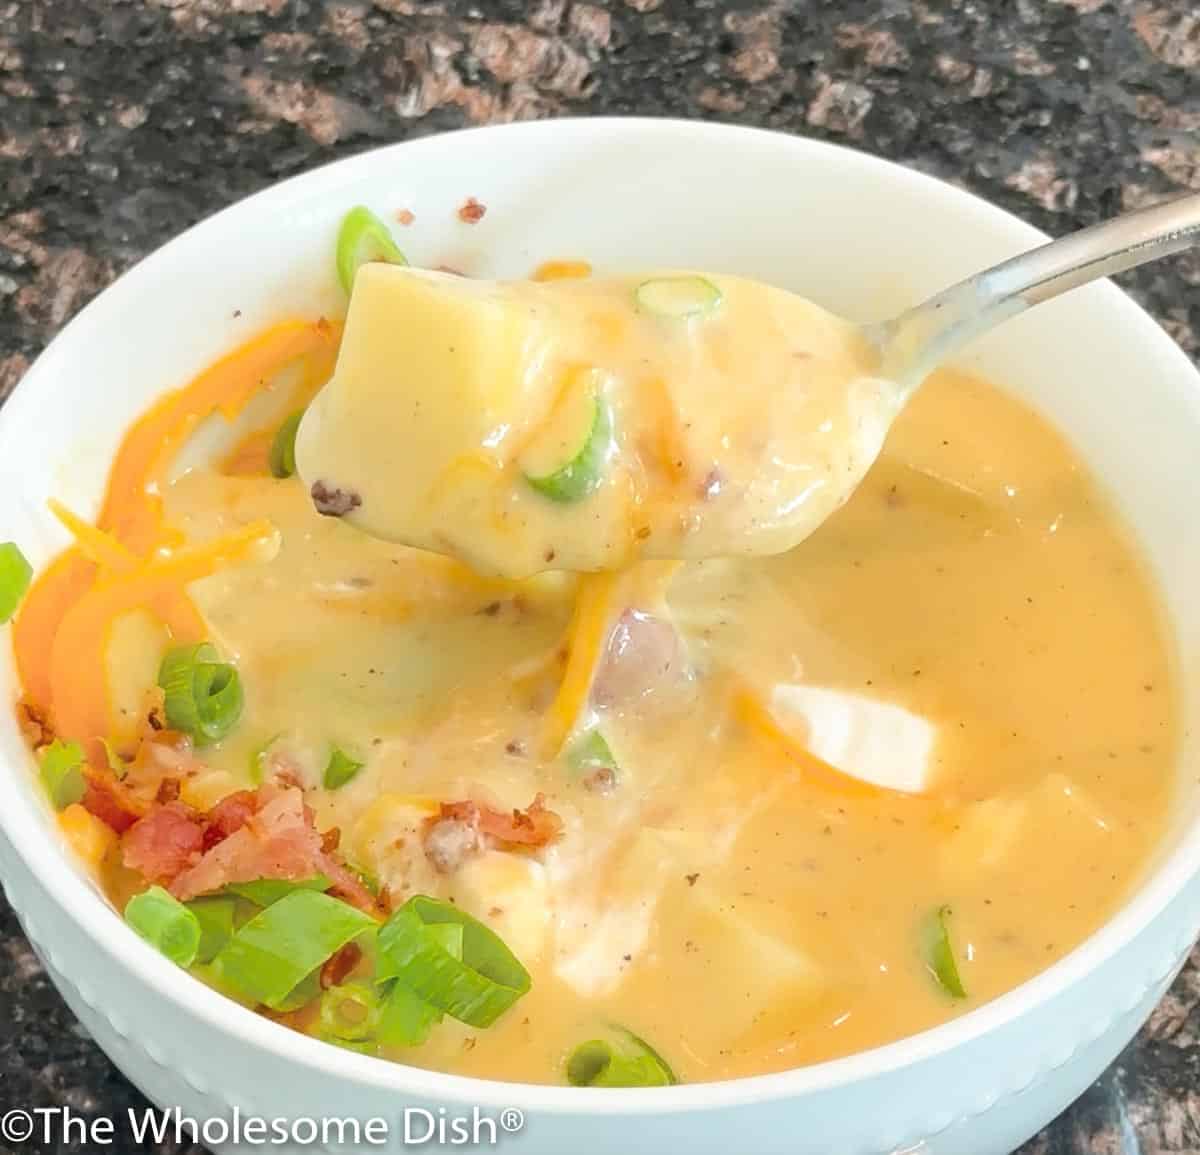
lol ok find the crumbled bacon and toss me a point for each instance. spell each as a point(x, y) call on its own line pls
point(228, 816)
point(247, 836)
point(463, 829)
point(168, 791)
point(111, 800)
point(471, 211)
point(34, 723)
point(277, 841)
point(347, 886)
point(339, 965)
point(164, 843)
point(533, 826)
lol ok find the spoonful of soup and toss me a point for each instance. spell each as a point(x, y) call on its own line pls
point(589, 423)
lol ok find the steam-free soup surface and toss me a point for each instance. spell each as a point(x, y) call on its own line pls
point(955, 693)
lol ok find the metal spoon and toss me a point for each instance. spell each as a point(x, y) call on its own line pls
point(918, 340)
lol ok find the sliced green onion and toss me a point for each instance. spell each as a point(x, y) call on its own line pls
point(449, 936)
point(678, 297)
point(350, 1012)
point(340, 769)
point(62, 773)
point(265, 891)
point(363, 875)
point(939, 953)
point(363, 238)
point(203, 696)
point(215, 916)
point(303, 993)
point(257, 755)
point(590, 751)
point(15, 573)
point(166, 924)
point(278, 949)
point(406, 1019)
point(282, 458)
point(624, 1061)
point(476, 988)
point(566, 462)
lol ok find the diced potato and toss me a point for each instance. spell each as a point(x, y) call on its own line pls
point(987, 832)
point(135, 649)
point(205, 790)
point(1005, 830)
point(509, 893)
point(455, 351)
point(598, 926)
point(388, 841)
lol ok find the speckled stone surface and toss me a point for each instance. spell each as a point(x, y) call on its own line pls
point(122, 123)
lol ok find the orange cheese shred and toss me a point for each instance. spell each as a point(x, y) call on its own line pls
point(562, 271)
point(78, 682)
point(109, 559)
point(595, 610)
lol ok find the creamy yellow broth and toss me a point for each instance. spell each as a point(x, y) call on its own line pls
point(582, 424)
point(740, 902)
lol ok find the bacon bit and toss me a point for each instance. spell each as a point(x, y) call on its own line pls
point(109, 800)
point(168, 791)
point(164, 843)
point(471, 212)
point(228, 816)
point(405, 217)
point(276, 841)
point(534, 826)
point(451, 270)
point(339, 965)
point(348, 886)
point(334, 502)
point(35, 726)
point(330, 839)
point(247, 836)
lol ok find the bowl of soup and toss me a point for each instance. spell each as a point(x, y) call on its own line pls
point(396, 755)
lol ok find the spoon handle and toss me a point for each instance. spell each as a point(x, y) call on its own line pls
point(918, 340)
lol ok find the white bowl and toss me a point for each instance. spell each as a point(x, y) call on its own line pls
point(861, 236)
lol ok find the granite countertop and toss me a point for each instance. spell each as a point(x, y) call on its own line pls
point(122, 123)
